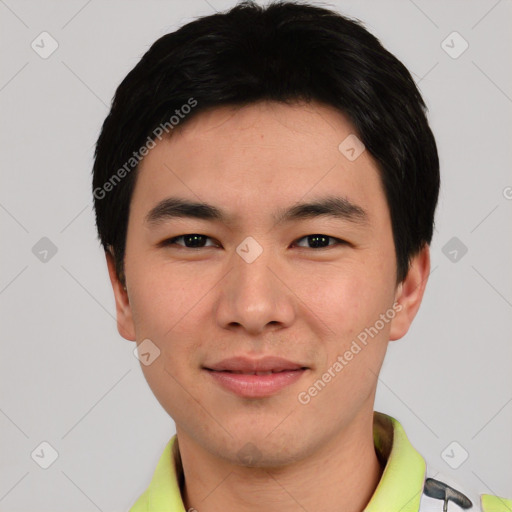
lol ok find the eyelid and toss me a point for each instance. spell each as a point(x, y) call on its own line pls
point(339, 241)
point(171, 241)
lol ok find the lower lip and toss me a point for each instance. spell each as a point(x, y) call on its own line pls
point(256, 386)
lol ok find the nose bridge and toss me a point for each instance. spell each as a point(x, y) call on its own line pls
point(252, 296)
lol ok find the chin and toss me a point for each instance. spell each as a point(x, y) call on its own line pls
point(260, 450)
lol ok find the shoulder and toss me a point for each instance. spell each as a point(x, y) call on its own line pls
point(435, 491)
point(441, 493)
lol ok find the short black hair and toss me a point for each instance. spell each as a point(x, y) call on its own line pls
point(285, 52)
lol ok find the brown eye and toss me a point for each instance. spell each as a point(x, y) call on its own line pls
point(190, 241)
point(320, 241)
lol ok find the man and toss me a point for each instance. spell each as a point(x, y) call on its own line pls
point(265, 188)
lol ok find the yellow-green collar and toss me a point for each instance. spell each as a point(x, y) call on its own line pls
point(399, 489)
point(401, 485)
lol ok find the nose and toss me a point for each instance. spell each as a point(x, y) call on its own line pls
point(254, 296)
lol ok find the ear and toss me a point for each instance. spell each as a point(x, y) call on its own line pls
point(409, 293)
point(125, 324)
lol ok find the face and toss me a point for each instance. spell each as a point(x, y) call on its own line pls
point(258, 286)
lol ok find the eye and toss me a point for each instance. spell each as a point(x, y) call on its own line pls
point(197, 241)
point(191, 241)
point(321, 241)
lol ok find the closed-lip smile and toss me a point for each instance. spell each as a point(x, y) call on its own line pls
point(255, 378)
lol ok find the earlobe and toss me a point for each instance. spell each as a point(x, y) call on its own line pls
point(409, 293)
point(125, 324)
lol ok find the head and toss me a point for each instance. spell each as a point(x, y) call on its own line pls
point(305, 149)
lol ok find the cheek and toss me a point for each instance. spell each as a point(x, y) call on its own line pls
point(165, 308)
point(162, 312)
point(351, 303)
point(345, 298)
point(160, 300)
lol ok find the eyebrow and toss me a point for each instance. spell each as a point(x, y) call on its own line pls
point(330, 206)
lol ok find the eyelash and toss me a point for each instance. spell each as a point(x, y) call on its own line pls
point(172, 241)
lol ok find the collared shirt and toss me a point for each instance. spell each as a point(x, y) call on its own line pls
point(405, 484)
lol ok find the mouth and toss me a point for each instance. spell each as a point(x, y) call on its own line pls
point(251, 378)
point(269, 372)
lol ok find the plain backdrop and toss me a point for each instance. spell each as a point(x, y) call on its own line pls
point(69, 379)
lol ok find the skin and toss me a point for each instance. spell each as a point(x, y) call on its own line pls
point(305, 304)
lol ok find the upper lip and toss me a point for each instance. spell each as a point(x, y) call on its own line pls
point(246, 364)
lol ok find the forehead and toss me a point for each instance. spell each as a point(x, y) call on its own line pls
point(256, 157)
point(270, 127)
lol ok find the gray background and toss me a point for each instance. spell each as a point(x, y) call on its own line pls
point(68, 378)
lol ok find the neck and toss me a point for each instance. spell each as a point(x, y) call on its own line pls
point(342, 475)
